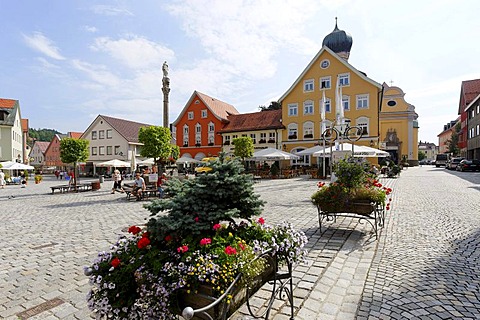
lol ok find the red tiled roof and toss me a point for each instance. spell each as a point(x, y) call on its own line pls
point(128, 129)
point(42, 145)
point(218, 107)
point(24, 125)
point(469, 91)
point(254, 121)
point(7, 103)
point(75, 135)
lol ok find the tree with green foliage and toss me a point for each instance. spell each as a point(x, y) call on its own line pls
point(74, 151)
point(243, 147)
point(421, 155)
point(156, 144)
point(196, 205)
point(274, 105)
point(42, 134)
point(452, 143)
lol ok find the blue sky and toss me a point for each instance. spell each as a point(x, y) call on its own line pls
point(68, 61)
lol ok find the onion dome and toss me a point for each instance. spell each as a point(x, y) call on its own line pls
point(339, 42)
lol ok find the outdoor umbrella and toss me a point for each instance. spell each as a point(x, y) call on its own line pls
point(272, 154)
point(6, 163)
point(148, 161)
point(18, 166)
point(187, 160)
point(309, 151)
point(114, 163)
point(358, 151)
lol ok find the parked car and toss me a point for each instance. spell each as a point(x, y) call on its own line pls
point(469, 165)
point(453, 163)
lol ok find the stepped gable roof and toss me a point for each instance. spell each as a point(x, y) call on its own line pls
point(126, 128)
point(469, 91)
point(42, 145)
point(262, 120)
point(7, 103)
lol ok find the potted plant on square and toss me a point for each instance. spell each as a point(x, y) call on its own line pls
point(200, 249)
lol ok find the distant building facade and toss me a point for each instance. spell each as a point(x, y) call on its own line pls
point(473, 129)
point(12, 141)
point(37, 153)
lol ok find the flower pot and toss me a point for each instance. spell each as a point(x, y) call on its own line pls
point(205, 296)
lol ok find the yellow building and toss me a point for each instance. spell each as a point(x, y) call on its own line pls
point(362, 102)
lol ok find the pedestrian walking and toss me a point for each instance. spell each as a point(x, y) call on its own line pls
point(2, 179)
point(117, 182)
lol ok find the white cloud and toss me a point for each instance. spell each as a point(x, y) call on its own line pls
point(98, 73)
point(135, 52)
point(90, 29)
point(110, 10)
point(44, 45)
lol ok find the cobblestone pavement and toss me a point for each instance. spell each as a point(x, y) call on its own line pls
point(47, 239)
point(428, 261)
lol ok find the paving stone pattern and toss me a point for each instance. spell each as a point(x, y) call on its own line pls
point(426, 266)
point(428, 261)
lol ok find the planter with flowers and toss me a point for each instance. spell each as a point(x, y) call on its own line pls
point(207, 255)
point(356, 193)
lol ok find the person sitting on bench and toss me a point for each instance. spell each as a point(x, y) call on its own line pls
point(139, 186)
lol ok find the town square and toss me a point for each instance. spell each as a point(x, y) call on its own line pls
point(424, 264)
point(239, 160)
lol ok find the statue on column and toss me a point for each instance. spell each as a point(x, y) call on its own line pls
point(165, 69)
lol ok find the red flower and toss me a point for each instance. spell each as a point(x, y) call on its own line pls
point(230, 250)
point(217, 226)
point(143, 243)
point(320, 184)
point(145, 235)
point(261, 220)
point(205, 241)
point(134, 229)
point(241, 245)
point(196, 219)
point(115, 262)
point(182, 249)
point(168, 238)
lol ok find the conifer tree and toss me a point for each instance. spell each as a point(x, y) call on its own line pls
point(223, 194)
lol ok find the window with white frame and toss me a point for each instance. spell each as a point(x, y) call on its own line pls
point(308, 85)
point(185, 141)
point(94, 135)
point(235, 136)
point(293, 110)
point(271, 137)
point(117, 150)
point(303, 160)
point(198, 133)
point(109, 150)
point(198, 128)
point(308, 130)
point(344, 79)
point(478, 129)
point(109, 134)
point(185, 130)
point(362, 101)
point(94, 151)
point(211, 138)
point(101, 151)
point(226, 140)
point(346, 102)
point(363, 123)
point(254, 137)
point(211, 127)
point(328, 105)
point(204, 113)
point(308, 107)
point(190, 115)
point(101, 134)
point(292, 131)
point(325, 82)
point(263, 137)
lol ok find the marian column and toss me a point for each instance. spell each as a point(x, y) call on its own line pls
point(166, 91)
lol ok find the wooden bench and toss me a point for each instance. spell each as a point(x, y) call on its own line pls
point(68, 187)
point(147, 193)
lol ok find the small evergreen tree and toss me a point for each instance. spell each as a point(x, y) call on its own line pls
point(195, 206)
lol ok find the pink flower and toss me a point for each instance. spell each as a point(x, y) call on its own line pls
point(196, 219)
point(205, 241)
point(217, 226)
point(182, 249)
point(261, 221)
point(230, 250)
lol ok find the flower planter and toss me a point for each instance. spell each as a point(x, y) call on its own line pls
point(190, 303)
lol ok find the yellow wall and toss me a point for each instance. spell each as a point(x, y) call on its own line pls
point(296, 94)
